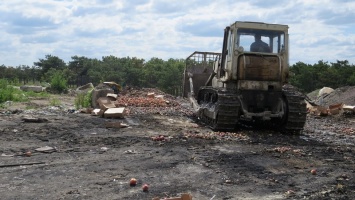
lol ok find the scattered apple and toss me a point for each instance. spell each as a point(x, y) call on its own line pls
point(133, 182)
point(28, 153)
point(314, 171)
point(145, 187)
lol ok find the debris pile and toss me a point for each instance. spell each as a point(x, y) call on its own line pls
point(137, 102)
point(142, 102)
point(345, 95)
point(153, 101)
point(333, 102)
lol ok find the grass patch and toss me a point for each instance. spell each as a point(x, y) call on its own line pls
point(29, 107)
point(37, 94)
point(9, 93)
point(54, 102)
point(83, 100)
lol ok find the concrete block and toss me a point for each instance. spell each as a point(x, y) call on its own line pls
point(104, 103)
point(97, 93)
point(150, 95)
point(112, 97)
point(160, 97)
point(115, 113)
point(33, 88)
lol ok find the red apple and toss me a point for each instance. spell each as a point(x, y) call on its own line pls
point(314, 171)
point(133, 182)
point(145, 187)
point(28, 153)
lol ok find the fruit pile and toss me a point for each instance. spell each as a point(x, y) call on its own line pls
point(348, 131)
point(216, 135)
point(142, 102)
point(159, 138)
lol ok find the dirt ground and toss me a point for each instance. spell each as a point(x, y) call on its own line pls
point(90, 161)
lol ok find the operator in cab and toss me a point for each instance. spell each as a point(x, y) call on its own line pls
point(259, 45)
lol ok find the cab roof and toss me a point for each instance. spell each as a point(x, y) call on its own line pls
point(259, 25)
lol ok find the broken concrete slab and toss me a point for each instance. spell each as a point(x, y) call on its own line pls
point(86, 110)
point(101, 113)
point(114, 86)
point(325, 90)
point(105, 106)
point(348, 108)
point(318, 110)
point(336, 106)
point(96, 111)
point(46, 149)
point(161, 97)
point(105, 103)
point(335, 109)
point(150, 95)
point(34, 88)
point(98, 93)
point(112, 97)
point(85, 88)
point(103, 100)
point(115, 113)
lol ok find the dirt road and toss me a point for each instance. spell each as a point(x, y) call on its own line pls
point(90, 161)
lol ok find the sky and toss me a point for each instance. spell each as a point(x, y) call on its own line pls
point(30, 29)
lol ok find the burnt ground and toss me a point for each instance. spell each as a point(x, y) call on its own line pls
point(95, 162)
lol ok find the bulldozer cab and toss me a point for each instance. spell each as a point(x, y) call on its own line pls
point(246, 42)
point(260, 41)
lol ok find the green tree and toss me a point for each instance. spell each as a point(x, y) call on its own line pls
point(133, 71)
point(303, 76)
point(58, 81)
point(50, 62)
point(152, 72)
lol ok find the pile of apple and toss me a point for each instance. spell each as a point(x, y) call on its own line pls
point(348, 131)
point(133, 182)
point(159, 138)
point(216, 135)
point(141, 102)
point(282, 149)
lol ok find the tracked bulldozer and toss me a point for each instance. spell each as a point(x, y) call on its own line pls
point(247, 83)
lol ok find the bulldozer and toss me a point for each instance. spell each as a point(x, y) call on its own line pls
point(247, 83)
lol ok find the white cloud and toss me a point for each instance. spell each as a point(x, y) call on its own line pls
point(31, 29)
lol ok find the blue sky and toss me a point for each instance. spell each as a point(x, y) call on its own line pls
point(30, 29)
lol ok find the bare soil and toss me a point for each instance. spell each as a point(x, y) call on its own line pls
point(91, 161)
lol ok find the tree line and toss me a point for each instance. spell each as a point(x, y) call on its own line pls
point(127, 71)
point(158, 73)
point(322, 74)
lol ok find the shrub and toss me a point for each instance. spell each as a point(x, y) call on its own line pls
point(58, 83)
point(83, 100)
point(8, 93)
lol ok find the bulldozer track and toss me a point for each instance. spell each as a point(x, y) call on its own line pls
point(224, 105)
point(220, 109)
point(296, 111)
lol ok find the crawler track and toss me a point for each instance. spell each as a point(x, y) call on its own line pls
point(221, 104)
point(220, 109)
point(296, 110)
